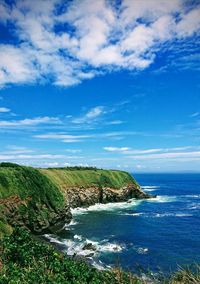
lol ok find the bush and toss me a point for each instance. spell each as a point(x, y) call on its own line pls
point(26, 260)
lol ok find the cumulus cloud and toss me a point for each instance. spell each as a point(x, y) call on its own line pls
point(65, 42)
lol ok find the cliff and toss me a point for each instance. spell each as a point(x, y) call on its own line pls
point(40, 199)
point(86, 187)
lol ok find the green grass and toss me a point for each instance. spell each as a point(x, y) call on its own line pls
point(23, 259)
point(26, 196)
point(26, 182)
point(86, 178)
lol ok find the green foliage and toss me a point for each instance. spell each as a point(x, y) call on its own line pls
point(8, 165)
point(75, 168)
point(187, 275)
point(26, 260)
point(28, 193)
point(28, 182)
point(86, 178)
point(5, 229)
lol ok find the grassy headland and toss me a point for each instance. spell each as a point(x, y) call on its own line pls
point(36, 198)
point(88, 177)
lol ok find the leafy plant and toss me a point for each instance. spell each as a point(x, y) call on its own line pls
point(26, 260)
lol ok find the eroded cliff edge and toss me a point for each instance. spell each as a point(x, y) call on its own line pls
point(40, 199)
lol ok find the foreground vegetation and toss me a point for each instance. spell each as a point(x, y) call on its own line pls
point(24, 259)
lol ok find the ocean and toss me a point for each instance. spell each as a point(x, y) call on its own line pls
point(161, 233)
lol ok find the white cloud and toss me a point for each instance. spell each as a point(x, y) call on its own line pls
point(169, 155)
point(99, 37)
point(73, 151)
point(60, 136)
point(114, 122)
point(185, 153)
point(91, 115)
point(4, 109)
point(195, 114)
point(190, 23)
point(127, 150)
point(20, 151)
point(150, 10)
point(158, 151)
point(6, 157)
point(94, 112)
point(29, 122)
point(66, 138)
point(116, 149)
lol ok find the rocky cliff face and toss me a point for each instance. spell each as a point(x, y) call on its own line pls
point(38, 218)
point(82, 197)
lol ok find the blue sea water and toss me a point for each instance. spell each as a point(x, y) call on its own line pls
point(153, 234)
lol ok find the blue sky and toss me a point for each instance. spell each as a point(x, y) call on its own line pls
point(112, 84)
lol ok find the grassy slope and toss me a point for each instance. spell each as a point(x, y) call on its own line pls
point(87, 178)
point(25, 182)
point(29, 193)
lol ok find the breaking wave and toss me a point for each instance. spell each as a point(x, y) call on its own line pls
point(106, 207)
point(162, 199)
point(150, 187)
point(85, 247)
point(159, 215)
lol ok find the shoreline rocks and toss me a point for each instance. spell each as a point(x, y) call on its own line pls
point(83, 197)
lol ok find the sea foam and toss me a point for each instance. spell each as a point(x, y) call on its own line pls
point(150, 187)
point(106, 207)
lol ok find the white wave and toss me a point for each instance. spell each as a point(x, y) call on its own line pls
point(134, 214)
point(183, 215)
point(162, 199)
point(160, 215)
point(78, 237)
point(52, 239)
point(150, 187)
point(76, 246)
point(106, 246)
point(142, 250)
point(99, 265)
point(194, 206)
point(110, 247)
point(191, 195)
point(72, 223)
point(106, 207)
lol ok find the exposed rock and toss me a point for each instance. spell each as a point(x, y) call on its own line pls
point(39, 219)
point(89, 246)
point(82, 197)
